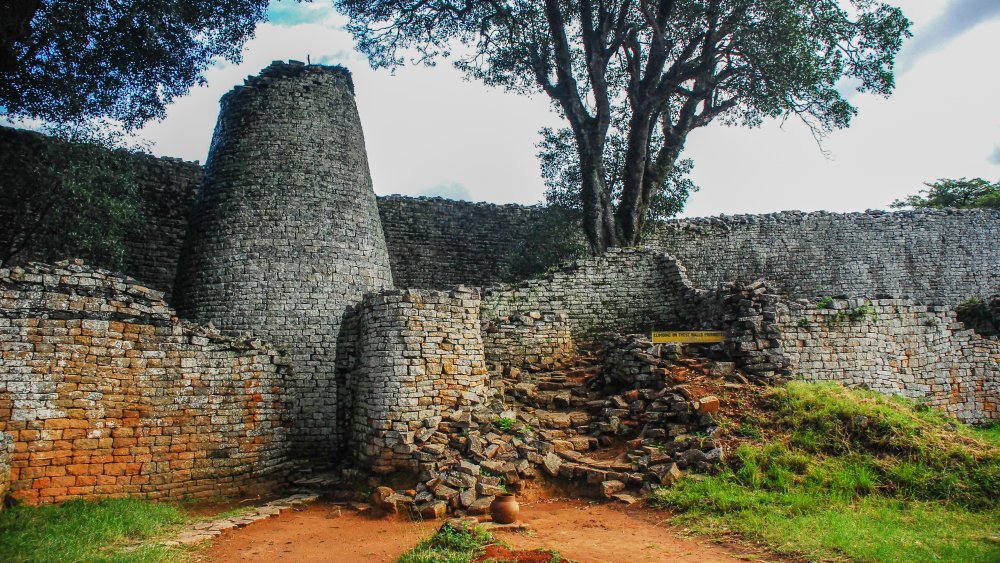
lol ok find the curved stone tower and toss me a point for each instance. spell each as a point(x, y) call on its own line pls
point(285, 236)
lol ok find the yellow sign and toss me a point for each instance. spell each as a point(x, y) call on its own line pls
point(688, 337)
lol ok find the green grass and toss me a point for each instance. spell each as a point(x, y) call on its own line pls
point(108, 530)
point(449, 545)
point(854, 475)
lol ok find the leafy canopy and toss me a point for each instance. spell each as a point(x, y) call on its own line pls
point(561, 172)
point(124, 59)
point(648, 70)
point(66, 198)
point(960, 193)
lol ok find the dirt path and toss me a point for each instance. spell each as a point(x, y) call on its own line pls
point(578, 530)
point(599, 533)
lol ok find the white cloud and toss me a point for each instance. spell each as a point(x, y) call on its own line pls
point(994, 157)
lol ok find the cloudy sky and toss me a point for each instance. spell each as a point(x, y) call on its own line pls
point(430, 132)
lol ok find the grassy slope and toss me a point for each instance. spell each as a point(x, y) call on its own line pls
point(107, 530)
point(827, 473)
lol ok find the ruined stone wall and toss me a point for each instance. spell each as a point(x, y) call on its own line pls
point(936, 257)
point(631, 290)
point(285, 236)
point(420, 357)
point(167, 188)
point(897, 347)
point(106, 393)
point(528, 337)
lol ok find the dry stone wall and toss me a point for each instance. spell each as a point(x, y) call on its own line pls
point(529, 337)
point(285, 236)
point(935, 257)
point(630, 290)
point(438, 243)
point(420, 359)
point(107, 393)
point(938, 257)
point(896, 347)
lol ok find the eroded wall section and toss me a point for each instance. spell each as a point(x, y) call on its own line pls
point(106, 393)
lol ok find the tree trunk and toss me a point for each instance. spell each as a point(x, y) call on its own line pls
point(598, 218)
point(631, 208)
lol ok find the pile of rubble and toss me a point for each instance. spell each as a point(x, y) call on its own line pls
point(612, 427)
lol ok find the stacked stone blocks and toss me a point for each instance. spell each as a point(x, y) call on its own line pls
point(896, 347)
point(622, 290)
point(285, 237)
point(529, 337)
point(421, 358)
point(106, 393)
point(934, 257)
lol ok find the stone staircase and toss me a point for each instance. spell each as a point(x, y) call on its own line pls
point(615, 438)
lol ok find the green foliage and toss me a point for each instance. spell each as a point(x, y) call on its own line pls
point(560, 166)
point(65, 199)
point(73, 61)
point(505, 424)
point(105, 530)
point(449, 545)
point(961, 193)
point(825, 303)
point(856, 314)
point(643, 75)
point(855, 474)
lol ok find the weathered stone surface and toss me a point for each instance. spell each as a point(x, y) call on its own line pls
point(481, 506)
point(611, 488)
point(285, 235)
point(708, 404)
point(666, 473)
point(422, 361)
point(552, 463)
point(433, 510)
point(141, 403)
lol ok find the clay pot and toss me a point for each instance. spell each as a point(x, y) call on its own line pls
point(504, 509)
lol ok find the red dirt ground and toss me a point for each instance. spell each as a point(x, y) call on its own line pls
point(578, 530)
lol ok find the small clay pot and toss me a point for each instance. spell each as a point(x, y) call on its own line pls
point(504, 509)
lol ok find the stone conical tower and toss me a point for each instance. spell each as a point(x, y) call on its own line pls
point(285, 235)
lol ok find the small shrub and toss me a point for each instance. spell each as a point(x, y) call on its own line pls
point(505, 424)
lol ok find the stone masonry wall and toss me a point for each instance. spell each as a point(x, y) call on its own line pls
point(420, 357)
point(529, 337)
point(936, 257)
point(438, 243)
point(167, 188)
point(631, 290)
point(285, 236)
point(106, 393)
point(894, 346)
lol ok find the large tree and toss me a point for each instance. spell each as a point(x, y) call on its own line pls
point(657, 65)
point(960, 193)
point(66, 61)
